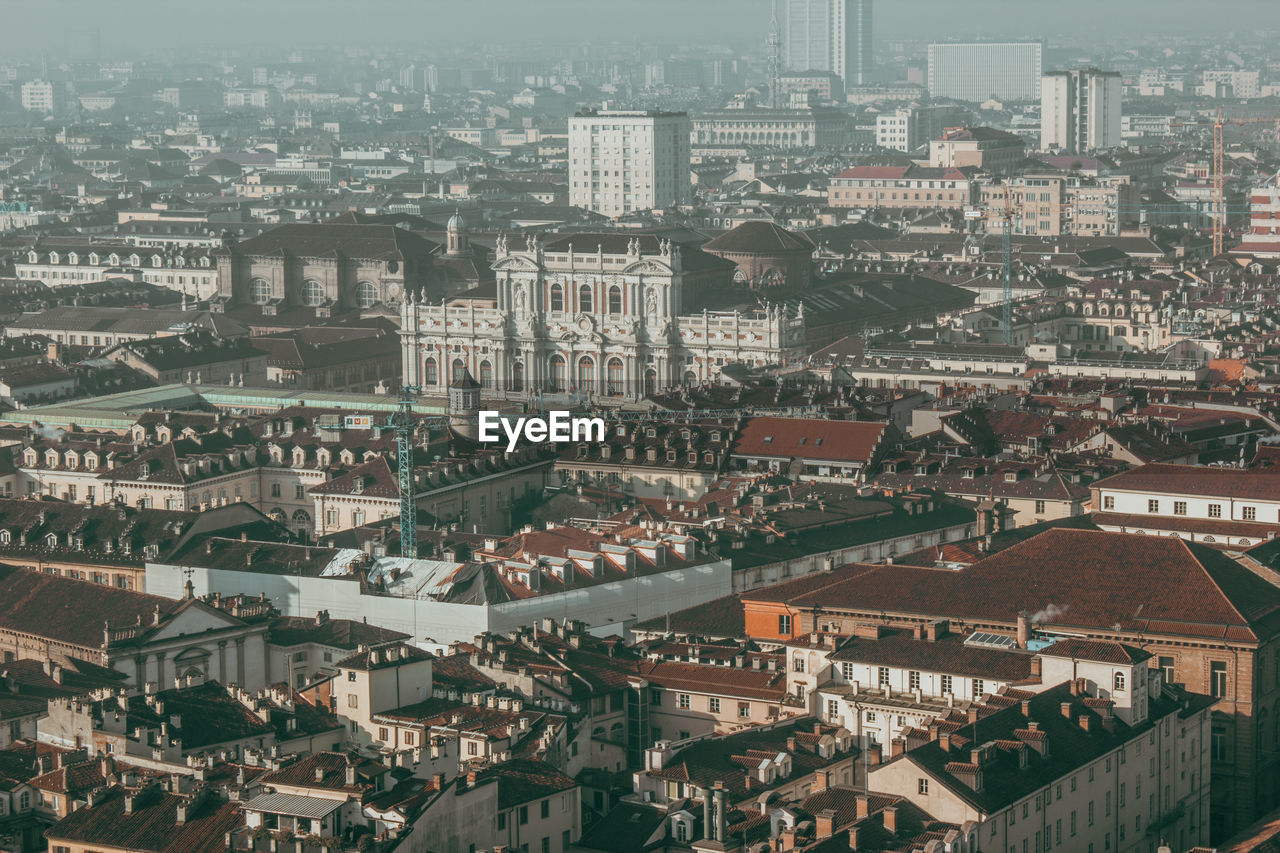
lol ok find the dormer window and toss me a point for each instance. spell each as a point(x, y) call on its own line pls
point(51, 540)
point(1011, 476)
point(94, 260)
point(114, 260)
point(134, 260)
point(33, 257)
point(29, 457)
point(53, 258)
point(357, 486)
point(73, 259)
point(4, 537)
point(51, 458)
point(156, 261)
point(72, 459)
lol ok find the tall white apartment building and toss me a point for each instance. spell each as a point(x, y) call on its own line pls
point(1080, 110)
point(829, 35)
point(977, 71)
point(622, 161)
point(37, 96)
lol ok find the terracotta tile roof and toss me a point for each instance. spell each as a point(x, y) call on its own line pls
point(339, 633)
point(758, 237)
point(152, 827)
point(333, 772)
point(948, 654)
point(1197, 480)
point(769, 685)
point(1105, 651)
point(1094, 579)
point(522, 780)
point(72, 611)
point(840, 441)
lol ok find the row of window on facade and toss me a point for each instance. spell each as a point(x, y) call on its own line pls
point(557, 376)
point(1247, 513)
point(313, 293)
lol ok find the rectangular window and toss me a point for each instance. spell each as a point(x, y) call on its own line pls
point(1249, 513)
point(546, 809)
point(979, 687)
point(1108, 502)
point(797, 664)
point(846, 670)
point(913, 679)
point(1179, 507)
point(1166, 669)
point(655, 696)
point(353, 701)
point(1218, 679)
point(382, 734)
point(922, 785)
point(1217, 745)
point(682, 700)
point(744, 710)
point(883, 676)
point(713, 704)
point(524, 815)
point(833, 709)
point(1215, 510)
point(784, 625)
point(946, 684)
point(1153, 505)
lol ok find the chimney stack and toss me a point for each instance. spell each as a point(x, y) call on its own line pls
point(825, 826)
point(1024, 629)
point(864, 806)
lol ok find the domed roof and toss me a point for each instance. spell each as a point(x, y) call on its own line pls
point(456, 221)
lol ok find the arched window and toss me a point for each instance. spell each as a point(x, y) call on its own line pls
point(261, 291)
point(557, 373)
point(586, 374)
point(614, 377)
point(366, 294)
point(486, 375)
point(1119, 682)
point(312, 293)
point(557, 298)
point(278, 514)
point(650, 382)
point(302, 523)
point(517, 376)
point(690, 378)
point(430, 372)
point(584, 299)
point(615, 300)
point(458, 371)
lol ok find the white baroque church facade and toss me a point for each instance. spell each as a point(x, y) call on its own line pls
point(595, 315)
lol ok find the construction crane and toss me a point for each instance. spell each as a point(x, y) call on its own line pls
point(1006, 266)
point(1219, 173)
point(402, 423)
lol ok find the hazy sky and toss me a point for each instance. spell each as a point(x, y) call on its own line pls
point(36, 25)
